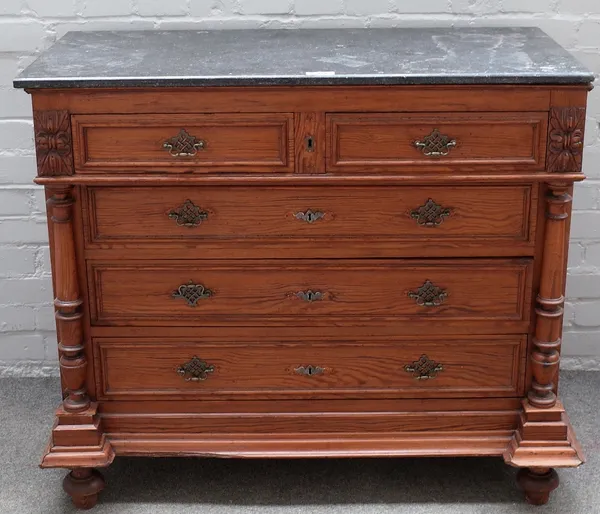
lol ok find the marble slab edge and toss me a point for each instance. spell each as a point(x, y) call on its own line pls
point(73, 83)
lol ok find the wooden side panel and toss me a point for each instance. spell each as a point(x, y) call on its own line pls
point(263, 292)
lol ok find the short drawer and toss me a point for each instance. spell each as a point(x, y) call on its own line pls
point(389, 142)
point(394, 368)
point(342, 217)
point(183, 142)
point(257, 292)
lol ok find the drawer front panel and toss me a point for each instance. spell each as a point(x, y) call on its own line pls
point(457, 367)
point(326, 214)
point(288, 292)
point(455, 141)
point(179, 142)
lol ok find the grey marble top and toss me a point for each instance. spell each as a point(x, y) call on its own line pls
point(304, 57)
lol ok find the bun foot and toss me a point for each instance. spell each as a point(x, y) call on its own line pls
point(537, 483)
point(83, 486)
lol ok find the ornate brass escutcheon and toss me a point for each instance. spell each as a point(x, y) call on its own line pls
point(184, 144)
point(310, 295)
point(424, 368)
point(309, 371)
point(430, 214)
point(435, 144)
point(188, 215)
point(428, 295)
point(192, 293)
point(309, 216)
point(195, 370)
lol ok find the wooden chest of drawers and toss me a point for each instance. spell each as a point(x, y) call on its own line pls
point(311, 270)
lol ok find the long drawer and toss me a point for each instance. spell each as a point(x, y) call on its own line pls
point(397, 142)
point(346, 217)
point(397, 368)
point(491, 292)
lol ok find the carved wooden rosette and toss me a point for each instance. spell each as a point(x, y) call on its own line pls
point(68, 303)
point(565, 139)
point(53, 143)
point(545, 356)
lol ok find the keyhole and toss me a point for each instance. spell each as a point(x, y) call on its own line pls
point(310, 144)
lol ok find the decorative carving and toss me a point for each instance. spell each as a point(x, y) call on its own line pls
point(309, 216)
point(565, 139)
point(188, 215)
point(545, 355)
point(309, 371)
point(195, 370)
point(53, 143)
point(184, 144)
point(430, 214)
point(192, 293)
point(310, 295)
point(424, 368)
point(73, 362)
point(428, 295)
point(435, 144)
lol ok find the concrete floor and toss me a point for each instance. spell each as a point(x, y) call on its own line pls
point(213, 486)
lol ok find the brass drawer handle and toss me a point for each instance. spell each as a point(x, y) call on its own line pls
point(309, 371)
point(424, 368)
point(192, 293)
point(309, 216)
point(428, 295)
point(184, 144)
point(435, 144)
point(310, 295)
point(195, 370)
point(188, 215)
point(430, 214)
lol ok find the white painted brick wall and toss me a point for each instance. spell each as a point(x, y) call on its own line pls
point(27, 338)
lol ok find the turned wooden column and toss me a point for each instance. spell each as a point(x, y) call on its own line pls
point(54, 151)
point(68, 302)
point(545, 356)
point(564, 154)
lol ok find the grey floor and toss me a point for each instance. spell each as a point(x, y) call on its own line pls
point(213, 486)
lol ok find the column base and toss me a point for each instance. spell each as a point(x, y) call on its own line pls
point(78, 441)
point(544, 439)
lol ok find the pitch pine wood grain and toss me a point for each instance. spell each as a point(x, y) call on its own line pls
point(261, 292)
point(230, 142)
point(498, 255)
point(489, 214)
point(147, 369)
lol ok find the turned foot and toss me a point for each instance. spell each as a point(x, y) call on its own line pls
point(83, 486)
point(537, 483)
